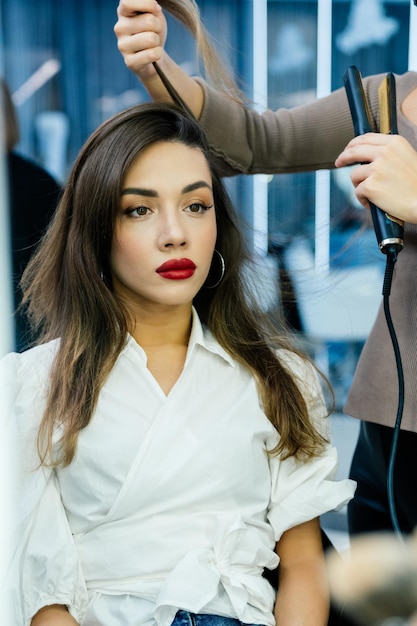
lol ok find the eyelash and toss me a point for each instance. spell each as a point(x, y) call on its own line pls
point(202, 207)
point(132, 210)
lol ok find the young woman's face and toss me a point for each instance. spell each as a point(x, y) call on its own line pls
point(165, 232)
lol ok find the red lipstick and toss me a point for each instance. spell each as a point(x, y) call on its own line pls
point(177, 269)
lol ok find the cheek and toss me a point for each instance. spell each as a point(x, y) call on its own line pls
point(130, 241)
point(125, 250)
point(206, 246)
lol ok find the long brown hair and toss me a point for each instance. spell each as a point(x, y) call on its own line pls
point(188, 13)
point(68, 290)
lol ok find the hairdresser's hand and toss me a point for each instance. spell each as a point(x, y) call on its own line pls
point(388, 177)
point(141, 32)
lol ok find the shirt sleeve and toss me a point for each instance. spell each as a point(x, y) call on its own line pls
point(303, 490)
point(43, 566)
point(303, 138)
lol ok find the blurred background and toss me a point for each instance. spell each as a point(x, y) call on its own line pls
point(315, 249)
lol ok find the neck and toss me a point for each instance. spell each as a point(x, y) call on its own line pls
point(163, 327)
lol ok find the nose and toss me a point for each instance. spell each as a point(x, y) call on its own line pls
point(172, 233)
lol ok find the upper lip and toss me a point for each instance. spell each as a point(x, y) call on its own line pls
point(176, 264)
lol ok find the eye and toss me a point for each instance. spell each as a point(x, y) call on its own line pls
point(198, 207)
point(137, 211)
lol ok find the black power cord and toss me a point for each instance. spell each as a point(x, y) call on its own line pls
point(392, 253)
point(389, 233)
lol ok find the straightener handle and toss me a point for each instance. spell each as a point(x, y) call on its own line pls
point(389, 230)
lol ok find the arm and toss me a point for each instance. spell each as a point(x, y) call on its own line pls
point(388, 177)
point(301, 139)
point(141, 32)
point(303, 594)
point(304, 138)
point(41, 564)
point(54, 615)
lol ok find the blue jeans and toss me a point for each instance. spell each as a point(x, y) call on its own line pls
point(183, 618)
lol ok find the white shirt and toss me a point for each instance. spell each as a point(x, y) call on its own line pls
point(171, 501)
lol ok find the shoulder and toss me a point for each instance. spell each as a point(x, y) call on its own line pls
point(408, 78)
point(24, 376)
point(40, 355)
point(30, 168)
point(404, 83)
point(24, 380)
point(27, 177)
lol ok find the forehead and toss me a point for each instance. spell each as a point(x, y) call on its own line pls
point(169, 161)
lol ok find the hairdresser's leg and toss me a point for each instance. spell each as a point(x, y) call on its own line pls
point(405, 476)
point(369, 510)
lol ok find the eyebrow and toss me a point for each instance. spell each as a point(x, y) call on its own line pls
point(150, 193)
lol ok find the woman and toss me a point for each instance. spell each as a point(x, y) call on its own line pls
point(172, 446)
point(304, 138)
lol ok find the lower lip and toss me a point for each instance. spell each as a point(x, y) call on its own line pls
point(177, 274)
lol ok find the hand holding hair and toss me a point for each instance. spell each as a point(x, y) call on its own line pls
point(141, 32)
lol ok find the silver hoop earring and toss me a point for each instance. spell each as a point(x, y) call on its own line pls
point(222, 270)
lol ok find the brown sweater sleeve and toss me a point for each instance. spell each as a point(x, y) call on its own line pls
point(304, 138)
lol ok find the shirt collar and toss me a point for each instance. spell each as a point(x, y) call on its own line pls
point(202, 336)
